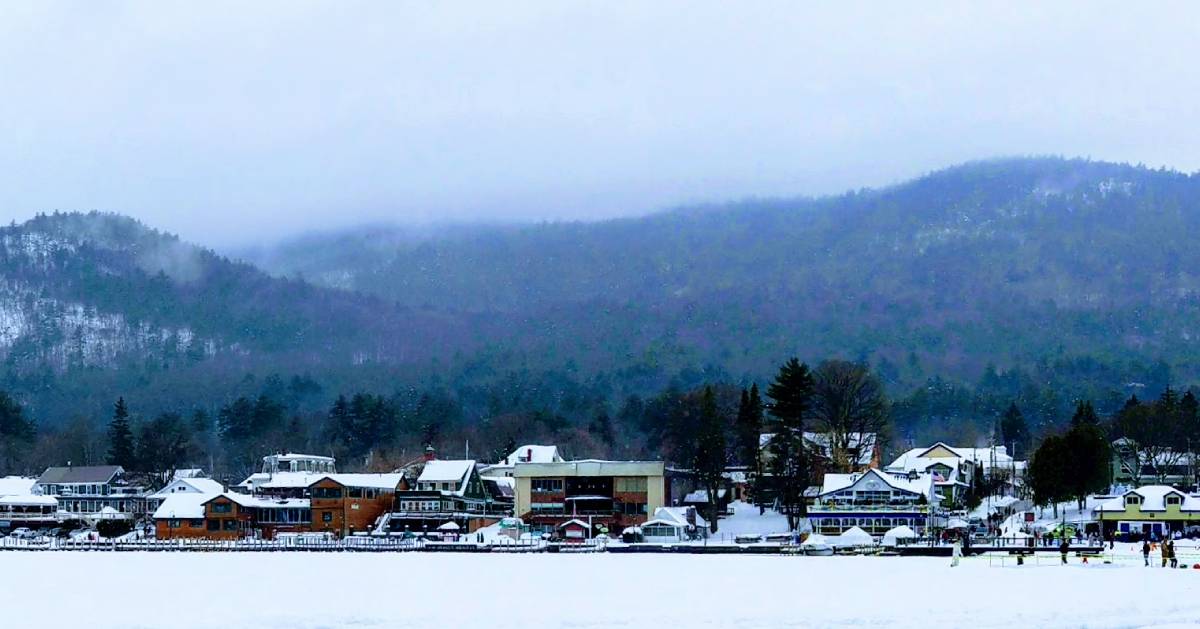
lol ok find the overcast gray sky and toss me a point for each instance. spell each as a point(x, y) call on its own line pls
point(232, 122)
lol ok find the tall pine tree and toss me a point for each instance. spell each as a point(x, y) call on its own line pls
point(791, 397)
point(710, 454)
point(121, 449)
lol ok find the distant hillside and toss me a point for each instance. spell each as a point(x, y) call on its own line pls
point(1012, 262)
point(96, 304)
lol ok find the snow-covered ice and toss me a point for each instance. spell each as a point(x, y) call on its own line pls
point(315, 590)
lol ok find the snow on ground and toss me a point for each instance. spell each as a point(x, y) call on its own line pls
point(746, 521)
point(373, 590)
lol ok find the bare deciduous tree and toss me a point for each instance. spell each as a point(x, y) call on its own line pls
point(849, 409)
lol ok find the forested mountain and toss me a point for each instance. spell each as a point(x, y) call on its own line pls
point(1035, 281)
point(1010, 262)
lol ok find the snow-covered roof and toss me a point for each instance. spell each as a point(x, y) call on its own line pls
point(302, 480)
point(675, 516)
point(376, 481)
point(29, 500)
point(441, 471)
point(922, 485)
point(892, 536)
point(293, 456)
point(189, 472)
point(574, 521)
point(701, 496)
point(190, 485)
point(533, 454)
point(1153, 499)
point(182, 506)
point(854, 536)
point(17, 485)
point(918, 459)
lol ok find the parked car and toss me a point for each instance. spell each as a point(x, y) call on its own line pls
point(22, 533)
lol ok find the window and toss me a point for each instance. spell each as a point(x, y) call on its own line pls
point(546, 507)
point(631, 508)
point(632, 485)
point(355, 492)
point(195, 524)
point(546, 485)
point(327, 493)
point(1133, 500)
point(231, 525)
point(327, 516)
point(222, 507)
point(1174, 500)
point(174, 524)
point(214, 525)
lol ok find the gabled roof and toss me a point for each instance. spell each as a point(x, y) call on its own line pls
point(1153, 499)
point(533, 454)
point(79, 474)
point(441, 471)
point(674, 516)
point(922, 486)
point(190, 485)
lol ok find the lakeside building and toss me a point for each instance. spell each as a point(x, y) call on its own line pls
point(954, 467)
point(86, 491)
point(609, 495)
point(448, 491)
point(1150, 511)
point(875, 501)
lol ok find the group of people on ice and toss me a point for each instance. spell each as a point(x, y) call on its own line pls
point(1167, 549)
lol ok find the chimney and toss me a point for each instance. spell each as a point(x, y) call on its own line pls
point(430, 453)
point(528, 455)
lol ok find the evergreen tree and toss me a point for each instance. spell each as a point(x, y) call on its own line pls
point(1091, 459)
point(710, 455)
point(748, 428)
point(120, 438)
point(1085, 414)
point(1047, 473)
point(17, 433)
point(791, 397)
point(1015, 431)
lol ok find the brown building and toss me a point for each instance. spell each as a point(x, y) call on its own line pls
point(345, 504)
point(229, 516)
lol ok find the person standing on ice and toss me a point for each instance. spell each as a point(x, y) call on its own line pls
point(1064, 547)
point(1146, 551)
point(955, 552)
point(1170, 546)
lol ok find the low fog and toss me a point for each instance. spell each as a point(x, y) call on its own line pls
point(232, 124)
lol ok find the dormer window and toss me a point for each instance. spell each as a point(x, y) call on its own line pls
point(1174, 500)
point(1133, 500)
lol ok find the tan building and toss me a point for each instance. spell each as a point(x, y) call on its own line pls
point(611, 495)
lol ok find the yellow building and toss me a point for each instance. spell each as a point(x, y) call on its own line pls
point(611, 495)
point(1152, 511)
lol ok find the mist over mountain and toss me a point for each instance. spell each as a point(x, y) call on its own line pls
point(1039, 280)
point(1006, 262)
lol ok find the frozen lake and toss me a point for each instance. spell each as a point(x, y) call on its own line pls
point(309, 591)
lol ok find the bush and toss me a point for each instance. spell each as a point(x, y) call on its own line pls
point(113, 528)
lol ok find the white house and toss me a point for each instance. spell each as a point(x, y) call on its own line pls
point(674, 524)
point(874, 501)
